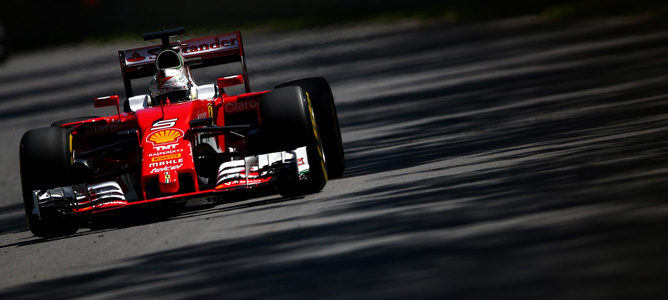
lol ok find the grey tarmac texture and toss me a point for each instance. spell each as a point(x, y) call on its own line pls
point(521, 158)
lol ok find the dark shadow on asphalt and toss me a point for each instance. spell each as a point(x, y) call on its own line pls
point(11, 219)
point(555, 189)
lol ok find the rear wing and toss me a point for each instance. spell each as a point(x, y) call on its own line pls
point(212, 50)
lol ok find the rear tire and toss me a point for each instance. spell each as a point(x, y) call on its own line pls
point(327, 119)
point(288, 122)
point(46, 162)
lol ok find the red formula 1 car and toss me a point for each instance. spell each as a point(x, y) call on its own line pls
point(181, 142)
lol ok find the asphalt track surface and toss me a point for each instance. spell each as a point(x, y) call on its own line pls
point(521, 158)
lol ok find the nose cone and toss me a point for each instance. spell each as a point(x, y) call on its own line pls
point(168, 182)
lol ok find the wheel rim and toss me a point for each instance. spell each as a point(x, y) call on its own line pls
point(318, 146)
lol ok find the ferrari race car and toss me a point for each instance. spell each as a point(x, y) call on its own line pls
point(169, 149)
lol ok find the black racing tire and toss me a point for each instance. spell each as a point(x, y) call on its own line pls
point(327, 119)
point(59, 123)
point(46, 162)
point(288, 122)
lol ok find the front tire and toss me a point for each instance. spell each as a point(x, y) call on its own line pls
point(46, 162)
point(289, 122)
point(327, 119)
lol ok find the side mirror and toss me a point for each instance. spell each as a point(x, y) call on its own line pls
point(106, 101)
point(229, 81)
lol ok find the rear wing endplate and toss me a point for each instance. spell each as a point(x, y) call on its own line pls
point(212, 50)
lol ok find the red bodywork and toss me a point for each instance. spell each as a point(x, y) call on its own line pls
point(165, 143)
point(163, 165)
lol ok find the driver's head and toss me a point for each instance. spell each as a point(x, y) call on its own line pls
point(172, 84)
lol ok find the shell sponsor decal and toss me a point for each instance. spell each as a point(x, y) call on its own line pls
point(165, 136)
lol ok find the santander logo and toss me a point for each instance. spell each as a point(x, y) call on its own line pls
point(136, 57)
point(206, 45)
point(194, 48)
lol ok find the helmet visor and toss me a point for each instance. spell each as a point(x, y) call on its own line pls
point(174, 97)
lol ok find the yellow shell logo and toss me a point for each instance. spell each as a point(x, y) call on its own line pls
point(165, 136)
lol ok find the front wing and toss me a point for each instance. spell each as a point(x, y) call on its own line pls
point(244, 173)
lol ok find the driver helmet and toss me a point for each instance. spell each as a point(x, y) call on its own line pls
point(172, 84)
